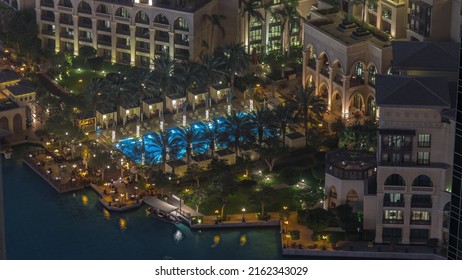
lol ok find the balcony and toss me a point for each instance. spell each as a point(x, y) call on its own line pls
point(161, 25)
point(85, 11)
point(421, 204)
point(85, 24)
point(66, 35)
point(324, 71)
point(66, 21)
point(123, 31)
point(49, 18)
point(356, 81)
point(338, 79)
point(142, 35)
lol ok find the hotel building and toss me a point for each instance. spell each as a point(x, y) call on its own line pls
point(19, 4)
point(126, 31)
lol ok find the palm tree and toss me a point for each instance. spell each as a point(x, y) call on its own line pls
point(213, 72)
point(237, 60)
point(164, 78)
point(192, 75)
point(289, 15)
point(308, 103)
point(93, 94)
point(250, 80)
point(215, 20)
point(250, 8)
point(238, 128)
point(229, 98)
point(210, 134)
point(261, 119)
point(140, 84)
point(161, 142)
point(189, 136)
point(117, 90)
point(284, 116)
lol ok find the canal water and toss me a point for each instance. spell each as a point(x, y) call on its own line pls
point(42, 224)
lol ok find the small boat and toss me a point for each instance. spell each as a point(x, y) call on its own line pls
point(164, 216)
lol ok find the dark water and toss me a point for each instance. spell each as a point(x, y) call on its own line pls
point(42, 224)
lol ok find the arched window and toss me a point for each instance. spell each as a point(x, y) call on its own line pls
point(162, 19)
point(395, 180)
point(371, 108)
point(142, 17)
point(122, 12)
point(422, 181)
point(102, 9)
point(180, 23)
point(65, 3)
point(372, 73)
point(84, 7)
point(47, 3)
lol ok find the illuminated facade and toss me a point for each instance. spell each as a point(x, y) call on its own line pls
point(125, 31)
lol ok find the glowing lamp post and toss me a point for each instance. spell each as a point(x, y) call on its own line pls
point(217, 213)
point(243, 214)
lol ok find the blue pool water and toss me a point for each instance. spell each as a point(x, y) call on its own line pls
point(133, 147)
point(42, 224)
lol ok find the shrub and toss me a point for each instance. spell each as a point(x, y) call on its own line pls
point(289, 175)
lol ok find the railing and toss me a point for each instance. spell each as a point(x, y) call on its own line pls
point(180, 28)
point(102, 15)
point(312, 63)
point(422, 189)
point(123, 46)
point(354, 82)
point(162, 38)
point(393, 221)
point(123, 31)
point(181, 42)
point(103, 28)
point(47, 18)
point(105, 43)
point(161, 25)
point(85, 24)
point(65, 9)
point(66, 21)
point(393, 204)
point(421, 222)
point(86, 39)
point(394, 188)
point(48, 32)
point(421, 204)
point(140, 21)
point(124, 19)
point(67, 36)
point(142, 35)
point(84, 11)
point(142, 49)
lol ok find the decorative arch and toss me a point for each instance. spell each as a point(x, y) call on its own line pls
point(352, 196)
point(395, 180)
point(47, 3)
point(338, 66)
point(356, 103)
point(323, 91)
point(122, 12)
point(17, 123)
point(182, 24)
point(336, 103)
point(142, 17)
point(422, 181)
point(161, 18)
point(311, 56)
point(332, 197)
point(84, 7)
point(65, 3)
point(4, 123)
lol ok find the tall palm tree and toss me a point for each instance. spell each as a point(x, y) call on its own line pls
point(238, 128)
point(262, 119)
point(213, 69)
point(93, 94)
point(237, 60)
point(250, 9)
point(192, 75)
point(215, 20)
point(289, 16)
point(308, 103)
point(140, 84)
point(284, 115)
point(164, 77)
point(189, 136)
point(117, 90)
point(250, 80)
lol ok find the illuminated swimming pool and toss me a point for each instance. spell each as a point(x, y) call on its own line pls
point(133, 147)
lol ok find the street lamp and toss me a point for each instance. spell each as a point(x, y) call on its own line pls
point(217, 213)
point(243, 214)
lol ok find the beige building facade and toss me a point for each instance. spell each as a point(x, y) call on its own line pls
point(127, 32)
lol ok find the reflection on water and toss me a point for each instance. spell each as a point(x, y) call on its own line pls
point(216, 241)
point(42, 224)
point(178, 235)
point(243, 240)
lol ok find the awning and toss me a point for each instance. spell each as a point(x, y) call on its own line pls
point(159, 204)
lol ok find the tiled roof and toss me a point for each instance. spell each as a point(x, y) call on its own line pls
point(412, 91)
